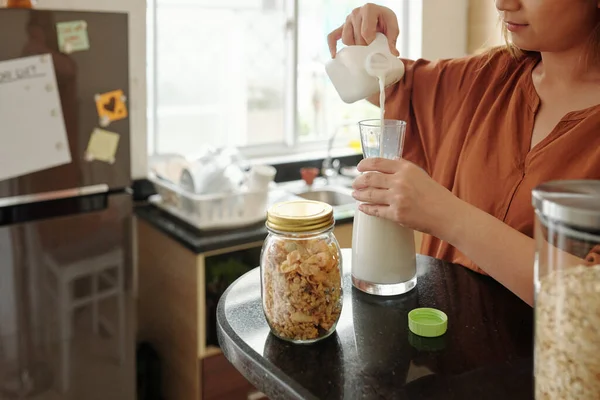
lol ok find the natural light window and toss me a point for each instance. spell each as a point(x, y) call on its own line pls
point(250, 73)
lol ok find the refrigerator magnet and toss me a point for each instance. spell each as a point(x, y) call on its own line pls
point(111, 106)
point(72, 36)
point(102, 146)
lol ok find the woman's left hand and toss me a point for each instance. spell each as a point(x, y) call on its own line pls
point(400, 191)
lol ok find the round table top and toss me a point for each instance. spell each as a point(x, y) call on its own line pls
point(487, 351)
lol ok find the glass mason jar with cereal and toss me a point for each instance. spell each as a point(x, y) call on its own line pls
point(567, 289)
point(301, 272)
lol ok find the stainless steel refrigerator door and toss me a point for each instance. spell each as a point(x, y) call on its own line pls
point(66, 306)
point(103, 68)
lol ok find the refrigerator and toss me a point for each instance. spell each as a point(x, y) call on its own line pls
point(66, 270)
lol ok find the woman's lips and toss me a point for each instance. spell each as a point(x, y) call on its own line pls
point(514, 27)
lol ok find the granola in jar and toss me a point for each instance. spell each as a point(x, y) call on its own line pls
point(301, 272)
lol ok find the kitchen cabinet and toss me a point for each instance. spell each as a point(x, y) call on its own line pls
point(343, 234)
point(221, 381)
point(171, 301)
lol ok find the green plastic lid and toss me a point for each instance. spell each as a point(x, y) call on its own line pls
point(427, 322)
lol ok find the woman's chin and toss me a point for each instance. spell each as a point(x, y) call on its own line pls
point(523, 45)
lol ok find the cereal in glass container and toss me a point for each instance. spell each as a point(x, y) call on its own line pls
point(301, 272)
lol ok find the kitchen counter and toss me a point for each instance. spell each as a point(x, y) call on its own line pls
point(199, 241)
point(194, 239)
point(486, 353)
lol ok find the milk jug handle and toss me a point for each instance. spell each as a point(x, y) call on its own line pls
point(378, 62)
point(381, 44)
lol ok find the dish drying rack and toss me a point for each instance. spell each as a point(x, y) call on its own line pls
point(210, 211)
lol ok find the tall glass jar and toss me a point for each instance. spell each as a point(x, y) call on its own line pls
point(567, 287)
point(301, 272)
point(384, 259)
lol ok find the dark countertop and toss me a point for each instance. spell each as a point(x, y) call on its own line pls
point(199, 241)
point(487, 352)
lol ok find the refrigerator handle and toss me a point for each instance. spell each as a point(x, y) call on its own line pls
point(54, 195)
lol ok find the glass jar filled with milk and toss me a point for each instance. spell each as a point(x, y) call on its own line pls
point(383, 252)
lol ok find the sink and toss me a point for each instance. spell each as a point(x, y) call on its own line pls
point(332, 197)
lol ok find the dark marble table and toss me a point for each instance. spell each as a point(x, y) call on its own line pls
point(486, 353)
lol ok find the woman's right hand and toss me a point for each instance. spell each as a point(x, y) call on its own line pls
point(362, 25)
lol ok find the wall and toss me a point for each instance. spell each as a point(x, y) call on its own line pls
point(445, 28)
point(483, 27)
point(453, 28)
point(137, 66)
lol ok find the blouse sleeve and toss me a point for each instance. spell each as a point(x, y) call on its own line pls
point(429, 96)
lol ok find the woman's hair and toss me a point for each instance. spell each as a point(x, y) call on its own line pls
point(593, 56)
point(509, 46)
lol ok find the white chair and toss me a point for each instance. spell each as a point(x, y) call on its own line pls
point(106, 268)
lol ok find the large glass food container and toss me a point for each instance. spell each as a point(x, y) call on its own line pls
point(301, 272)
point(567, 287)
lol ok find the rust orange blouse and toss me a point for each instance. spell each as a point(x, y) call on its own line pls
point(469, 125)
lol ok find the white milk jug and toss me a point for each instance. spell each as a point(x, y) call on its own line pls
point(355, 70)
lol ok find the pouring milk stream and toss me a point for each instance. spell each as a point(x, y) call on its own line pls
point(383, 252)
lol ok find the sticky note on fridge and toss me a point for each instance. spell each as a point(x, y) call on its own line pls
point(102, 146)
point(33, 136)
point(72, 36)
point(111, 106)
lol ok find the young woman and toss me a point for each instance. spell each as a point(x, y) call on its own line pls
point(485, 131)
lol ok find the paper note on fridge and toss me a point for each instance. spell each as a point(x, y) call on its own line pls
point(72, 36)
point(32, 130)
point(102, 146)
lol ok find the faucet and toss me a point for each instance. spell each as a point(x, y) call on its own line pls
point(329, 168)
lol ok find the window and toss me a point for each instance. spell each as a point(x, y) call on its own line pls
point(250, 73)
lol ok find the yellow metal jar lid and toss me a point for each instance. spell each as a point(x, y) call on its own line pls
point(300, 216)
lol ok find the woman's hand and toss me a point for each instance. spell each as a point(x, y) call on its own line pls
point(362, 25)
point(400, 191)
